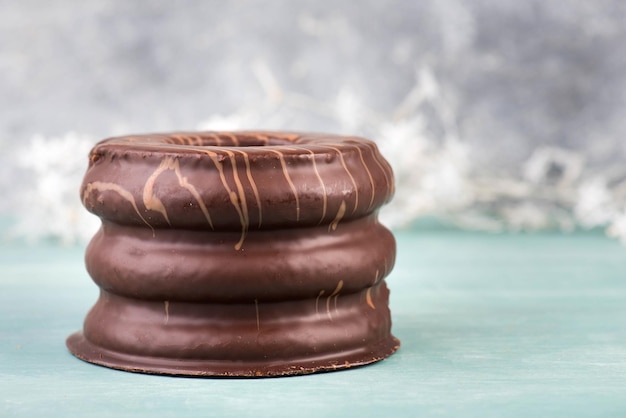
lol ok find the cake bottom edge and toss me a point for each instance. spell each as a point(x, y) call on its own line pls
point(89, 352)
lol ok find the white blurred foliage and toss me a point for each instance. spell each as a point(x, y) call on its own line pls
point(595, 204)
point(225, 123)
point(551, 164)
point(49, 204)
point(430, 179)
point(617, 228)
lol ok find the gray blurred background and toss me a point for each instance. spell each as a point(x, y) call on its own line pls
point(495, 115)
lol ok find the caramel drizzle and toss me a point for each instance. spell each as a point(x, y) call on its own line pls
point(317, 302)
point(264, 138)
point(390, 183)
point(369, 175)
point(232, 138)
point(112, 187)
point(166, 305)
point(335, 295)
point(319, 178)
point(376, 157)
point(324, 192)
point(345, 167)
point(243, 208)
point(232, 195)
point(257, 197)
point(183, 140)
point(199, 141)
point(283, 164)
point(152, 202)
point(255, 190)
point(368, 293)
point(340, 213)
point(368, 298)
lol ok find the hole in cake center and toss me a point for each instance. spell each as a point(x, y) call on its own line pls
point(234, 140)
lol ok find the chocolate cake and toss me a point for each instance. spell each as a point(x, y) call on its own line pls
point(237, 254)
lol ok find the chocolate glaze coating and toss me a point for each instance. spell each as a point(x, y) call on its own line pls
point(237, 254)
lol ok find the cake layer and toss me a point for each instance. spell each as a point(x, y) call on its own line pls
point(202, 266)
point(309, 329)
point(163, 181)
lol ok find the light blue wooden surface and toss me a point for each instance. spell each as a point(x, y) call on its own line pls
point(510, 325)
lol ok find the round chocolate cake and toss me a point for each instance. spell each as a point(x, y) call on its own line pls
point(237, 254)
